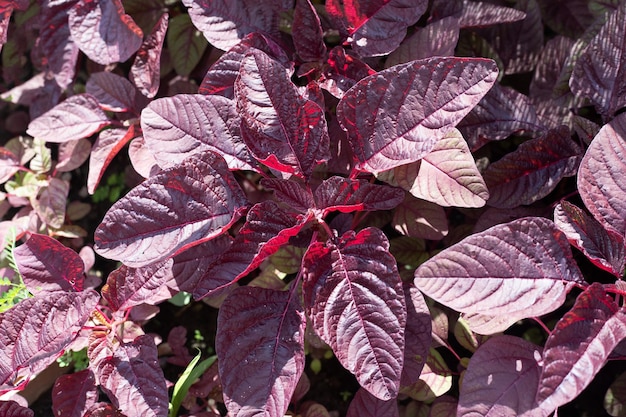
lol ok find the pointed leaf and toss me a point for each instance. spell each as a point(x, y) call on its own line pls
point(291, 193)
point(501, 378)
point(420, 218)
point(519, 269)
point(447, 176)
point(601, 175)
point(354, 297)
point(479, 14)
point(74, 394)
point(306, 24)
point(37, 329)
point(106, 147)
point(133, 379)
point(103, 31)
point(403, 111)
point(51, 202)
point(260, 346)
point(187, 124)
point(47, 265)
point(347, 195)
point(579, 346)
point(417, 335)
point(113, 92)
point(533, 170)
point(289, 134)
point(146, 70)
point(366, 405)
point(435, 379)
point(605, 248)
point(186, 44)
point(179, 207)
point(569, 17)
point(75, 118)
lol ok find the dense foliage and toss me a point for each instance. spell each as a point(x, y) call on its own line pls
point(430, 191)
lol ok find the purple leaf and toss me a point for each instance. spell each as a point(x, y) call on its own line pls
point(75, 118)
point(579, 346)
point(260, 346)
point(46, 265)
point(133, 379)
point(37, 329)
point(9, 165)
point(479, 14)
point(225, 22)
point(519, 269)
point(365, 404)
point(438, 38)
point(267, 228)
point(598, 73)
point(103, 31)
point(141, 158)
point(403, 111)
point(376, 27)
point(435, 380)
point(177, 208)
point(347, 195)
point(108, 144)
point(353, 296)
point(146, 70)
point(487, 325)
point(128, 287)
point(187, 124)
point(185, 44)
point(51, 202)
point(309, 42)
point(605, 248)
point(447, 175)
point(113, 93)
point(420, 219)
point(501, 378)
point(291, 193)
point(74, 394)
point(417, 335)
point(12, 409)
point(568, 17)
point(104, 410)
point(73, 154)
point(342, 71)
point(220, 78)
point(601, 175)
point(533, 170)
point(289, 134)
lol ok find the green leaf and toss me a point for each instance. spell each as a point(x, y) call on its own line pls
point(191, 374)
point(186, 44)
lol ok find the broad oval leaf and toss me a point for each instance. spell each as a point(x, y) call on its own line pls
point(146, 70)
point(75, 118)
point(51, 202)
point(533, 170)
point(479, 14)
point(9, 165)
point(111, 91)
point(518, 269)
point(417, 335)
point(185, 44)
point(109, 143)
point(501, 379)
point(179, 207)
point(186, 124)
point(103, 31)
point(579, 346)
point(35, 330)
point(47, 265)
point(396, 116)
point(288, 134)
point(347, 195)
point(365, 404)
point(420, 219)
point(291, 193)
point(133, 379)
point(353, 295)
point(434, 381)
point(601, 175)
point(447, 175)
point(74, 394)
point(260, 347)
point(309, 43)
point(73, 154)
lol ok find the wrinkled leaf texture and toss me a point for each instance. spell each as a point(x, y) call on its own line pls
point(109, 143)
point(396, 116)
point(291, 193)
point(354, 298)
point(146, 70)
point(347, 195)
point(518, 269)
point(74, 394)
point(12, 409)
point(112, 92)
point(365, 404)
point(309, 42)
point(260, 347)
point(480, 14)
point(417, 335)
point(183, 206)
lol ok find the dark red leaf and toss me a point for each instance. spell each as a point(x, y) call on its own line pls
point(579, 346)
point(533, 170)
point(420, 219)
point(501, 378)
point(342, 71)
point(146, 70)
point(291, 193)
point(568, 17)
point(12, 409)
point(479, 14)
point(187, 124)
point(103, 31)
point(176, 339)
point(104, 410)
point(133, 379)
point(396, 116)
point(260, 347)
point(417, 335)
point(46, 265)
point(75, 118)
point(74, 394)
point(289, 134)
point(354, 298)
point(309, 39)
point(605, 248)
point(113, 92)
point(37, 329)
point(601, 175)
point(346, 195)
point(177, 208)
point(518, 269)
point(365, 404)
point(108, 144)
